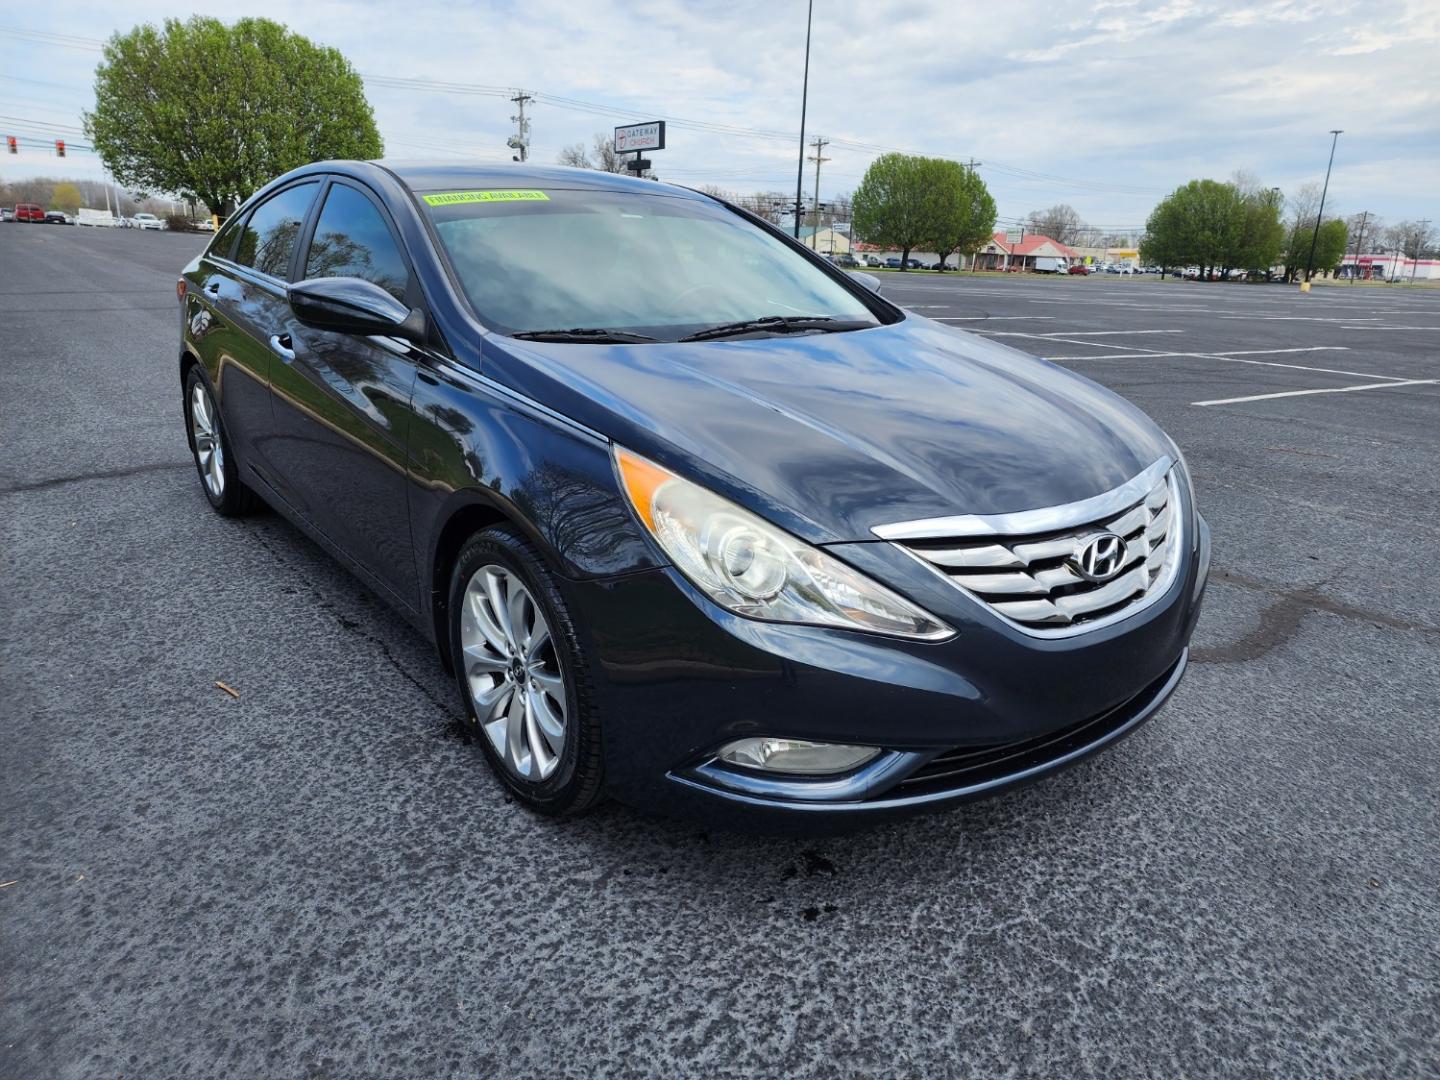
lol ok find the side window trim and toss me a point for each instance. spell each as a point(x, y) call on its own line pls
point(301, 254)
point(241, 218)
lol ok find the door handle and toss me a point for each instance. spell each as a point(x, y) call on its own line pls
point(282, 343)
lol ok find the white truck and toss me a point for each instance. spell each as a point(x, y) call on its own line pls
point(99, 218)
point(1046, 264)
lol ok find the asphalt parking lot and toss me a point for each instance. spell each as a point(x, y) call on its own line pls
point(320, 878)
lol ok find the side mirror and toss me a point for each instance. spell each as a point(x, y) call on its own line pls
point(348, 305)
point(870, 281)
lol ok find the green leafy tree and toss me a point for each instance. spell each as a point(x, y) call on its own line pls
point(1329, 245)
point(213, 112)
point(1262, 234)
point(967, 212)
point(1201, 223)
point(66, 196)
point(901, 202)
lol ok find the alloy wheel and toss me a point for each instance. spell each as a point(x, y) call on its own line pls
point(513, 673)
point(209, 454)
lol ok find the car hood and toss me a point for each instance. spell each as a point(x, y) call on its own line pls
point(830, 435)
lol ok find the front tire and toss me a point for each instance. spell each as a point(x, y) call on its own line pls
point(521, 674)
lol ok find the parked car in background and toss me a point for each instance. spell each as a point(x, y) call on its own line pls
point(102, 219)
point(1078, 268)
point(967, 569)
point(849, 262)
point(147, 221)
point(56, 217)
point(203, 225)
point(7, 213)
point(893, 264)
point(29, 212)
point(872, 260)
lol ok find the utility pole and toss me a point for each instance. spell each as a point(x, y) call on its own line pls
point(804, 96)
point(521, 139)
point(819, 144)
point(1335, 134)
point(1360, 240)
point(960, 256)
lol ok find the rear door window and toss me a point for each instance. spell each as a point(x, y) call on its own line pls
point(269, 238)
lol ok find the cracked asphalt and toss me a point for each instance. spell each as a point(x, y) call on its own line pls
point(321, 879)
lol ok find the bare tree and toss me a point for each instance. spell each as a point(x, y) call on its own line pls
point(601, 155)
point(1061, 222)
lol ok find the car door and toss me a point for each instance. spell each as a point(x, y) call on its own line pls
point(254, 299)
point(341, 402)
point(239, 305)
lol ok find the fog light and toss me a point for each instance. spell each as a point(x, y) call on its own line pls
point(795, 756)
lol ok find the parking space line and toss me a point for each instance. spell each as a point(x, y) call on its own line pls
point(1239, 356)
point(1106, 333)
point(1321, 390)
point(987, 318)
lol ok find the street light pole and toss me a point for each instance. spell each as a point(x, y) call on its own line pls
point(804, 95)
point(1335, 134)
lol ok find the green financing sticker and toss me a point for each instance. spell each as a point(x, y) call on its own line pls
point(450, 198)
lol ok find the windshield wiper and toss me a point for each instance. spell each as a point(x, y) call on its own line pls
point(595, 335)
point(778, 324)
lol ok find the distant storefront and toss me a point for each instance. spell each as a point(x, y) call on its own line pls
point(1035, 251)
point(1388, 266)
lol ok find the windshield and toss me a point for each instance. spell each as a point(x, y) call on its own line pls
point(652, 265)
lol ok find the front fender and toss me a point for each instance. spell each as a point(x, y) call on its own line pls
point(477, 448)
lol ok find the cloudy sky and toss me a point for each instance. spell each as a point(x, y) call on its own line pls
point(1104, 104)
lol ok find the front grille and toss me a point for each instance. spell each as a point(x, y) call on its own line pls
point(1025, 566)
point(975, 766)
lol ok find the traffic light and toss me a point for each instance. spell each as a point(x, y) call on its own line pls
point(59, 147)
point(12, 144)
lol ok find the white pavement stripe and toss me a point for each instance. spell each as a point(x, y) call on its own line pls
point(1232, 360)
point(1266, 352)
point(986, 318)
point(1322, 390)
point(1106, 333)
point(1388, 327)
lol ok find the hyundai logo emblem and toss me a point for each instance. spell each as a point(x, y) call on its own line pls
point(1099, 557)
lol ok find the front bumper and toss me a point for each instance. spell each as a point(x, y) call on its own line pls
point(675, 678)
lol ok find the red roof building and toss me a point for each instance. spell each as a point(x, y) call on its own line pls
point(998, 253)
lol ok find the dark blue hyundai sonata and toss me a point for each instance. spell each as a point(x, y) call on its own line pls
point(694, 517)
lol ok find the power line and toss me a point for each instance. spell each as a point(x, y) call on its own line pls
point(626, 112)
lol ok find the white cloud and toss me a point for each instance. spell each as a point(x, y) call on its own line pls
point(1126, 99)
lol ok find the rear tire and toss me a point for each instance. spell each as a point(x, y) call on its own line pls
point(521, 674)
point(219, 475)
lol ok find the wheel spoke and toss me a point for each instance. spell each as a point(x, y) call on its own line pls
point(539, 637)
point(484, 622)
point(542, 758)
point(516, 744)
point(490, 703)
point(518, 611)
point(552, 684)
point(480, 659)
point(496, 581)
point(546, 719)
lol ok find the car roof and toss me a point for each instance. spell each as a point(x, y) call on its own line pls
point(481, 175)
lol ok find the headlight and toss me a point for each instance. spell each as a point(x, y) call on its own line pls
point(748, 566)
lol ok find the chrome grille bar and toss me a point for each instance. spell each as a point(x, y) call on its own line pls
point(1031, 576)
